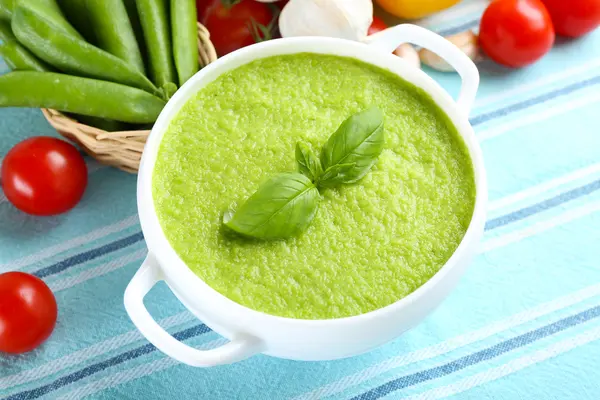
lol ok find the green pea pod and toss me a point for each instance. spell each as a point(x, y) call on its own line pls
point(51, 12)
point(18, 57)
point(114, 32)
point(6, 9)
point(6, 32)
point(155, 25)
point(185, 38)
point(77, 15)
point(72, 55)
point(136, 25)
point(108, 125)
point(78, 95)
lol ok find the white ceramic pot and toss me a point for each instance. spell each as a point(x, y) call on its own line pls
point(251, 332)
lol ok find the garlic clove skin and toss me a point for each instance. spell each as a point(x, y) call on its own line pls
point(407, 52)
point(465, 41)
point(345, 19)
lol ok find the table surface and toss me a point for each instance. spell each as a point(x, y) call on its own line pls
point(524, 321)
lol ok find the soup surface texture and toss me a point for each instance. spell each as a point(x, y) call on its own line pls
point(371, 243)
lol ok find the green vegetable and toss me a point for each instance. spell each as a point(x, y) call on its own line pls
point(50, 11)
point(18, 57)
point(286, 204)
point(282, 207)
point(6, 9)
point(136, 25)
point(101, 123)
point(308, 163)
point(155, 25)
point(72, 55)
point(113, 31)
point(335, 175)
point(78, 95)
point(185, 38)
point(168, 90)
point(359, 140)
point(77, 15)
point(6, 32)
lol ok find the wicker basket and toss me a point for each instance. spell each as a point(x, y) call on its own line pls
point(118, 149)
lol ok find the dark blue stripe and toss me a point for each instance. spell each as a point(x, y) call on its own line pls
point(480, 119)
point(89, 255)
point(480, 356)
point(101, 366)
point(542, 206)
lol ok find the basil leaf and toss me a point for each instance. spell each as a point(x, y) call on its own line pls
point(308, 163)
point(358, 140)
point(282, 207)
point(335, 175)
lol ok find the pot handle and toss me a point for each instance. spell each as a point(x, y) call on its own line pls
point(145, 278)
point(389, 39)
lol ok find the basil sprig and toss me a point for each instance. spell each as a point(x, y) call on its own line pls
point(353, 149)
point(308, 163)
point(283, 206)
point(286, 204)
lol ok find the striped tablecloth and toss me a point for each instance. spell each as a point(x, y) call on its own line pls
point(524, 322)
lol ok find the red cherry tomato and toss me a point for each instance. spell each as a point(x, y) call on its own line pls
point(237, 26)
point(27, 312)
point(574, 18)
point(516, 33)
point(44, 176)
point(376, 26)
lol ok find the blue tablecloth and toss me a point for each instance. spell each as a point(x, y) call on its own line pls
point(524, 322)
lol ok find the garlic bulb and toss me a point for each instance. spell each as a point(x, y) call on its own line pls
point(466, 41)
point(346, 19)
point(408, 52)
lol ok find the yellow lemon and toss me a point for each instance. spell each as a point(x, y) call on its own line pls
point(413, 9)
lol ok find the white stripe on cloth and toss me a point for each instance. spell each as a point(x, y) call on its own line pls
point(551, 112)
point(70, 244)
point(518, 91)
point(561, 219)
point(510, 367)
point(131, 374)
point(87, 353)
point(542, 188)
point(103, 269)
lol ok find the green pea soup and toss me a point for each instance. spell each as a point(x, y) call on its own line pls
point(371, 243)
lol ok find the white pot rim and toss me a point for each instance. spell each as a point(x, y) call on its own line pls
point(252, 331)
point(159, 245)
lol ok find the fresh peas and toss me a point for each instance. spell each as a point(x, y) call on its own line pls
point(108, 125)
point(101, 50)
point(6, 33)
point(185, 38)
point(78, 95)
point(72, 55)
point(19, 58)
point(6, 9)
point(51, 12)
point(114, 32)
point(15, 55)
point(155, 25)
point(77, 15)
